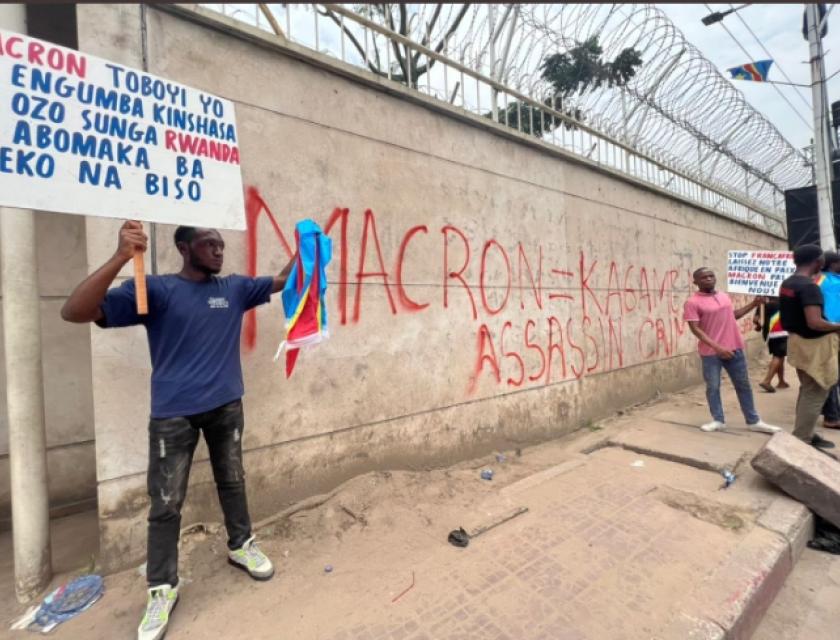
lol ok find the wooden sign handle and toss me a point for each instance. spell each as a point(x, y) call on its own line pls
point(140, 284)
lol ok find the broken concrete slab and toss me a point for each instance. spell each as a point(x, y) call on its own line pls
point(792, 520)
point(802, 472)
point(708, 451)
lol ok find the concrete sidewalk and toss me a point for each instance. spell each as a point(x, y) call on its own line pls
point(627, 535)
point(808, 605)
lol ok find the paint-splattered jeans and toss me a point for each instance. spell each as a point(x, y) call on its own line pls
point(172, 442)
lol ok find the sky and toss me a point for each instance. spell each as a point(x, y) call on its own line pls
point(779, 27)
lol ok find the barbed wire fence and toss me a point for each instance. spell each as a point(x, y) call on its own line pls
point(677, 123)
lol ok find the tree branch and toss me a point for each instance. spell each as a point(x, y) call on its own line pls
point(428, 34)
point(405, 60)
point(403, 20)
point(452, 28)
point(271, 19)
point(387, 11)
point(329, 14)
point(431, 25)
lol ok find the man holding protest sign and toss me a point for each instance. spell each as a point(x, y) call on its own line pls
point(713, 320)
point(88, 136)
point(193, 325)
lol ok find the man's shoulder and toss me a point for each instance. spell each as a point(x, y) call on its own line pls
point(163, 281)
point(800, 282)
point(233, 279)
point(163, 278)
point(694, 307)
point(792, 282)
point(701, 299)
point(797, 286)
point(798, 278)
point(173, 280)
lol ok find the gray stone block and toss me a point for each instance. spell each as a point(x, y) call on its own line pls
point(792, 520)
point(802, 472)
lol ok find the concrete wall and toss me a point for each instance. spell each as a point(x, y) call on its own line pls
point(67, 374)
point(66, 349)
point(423, 366)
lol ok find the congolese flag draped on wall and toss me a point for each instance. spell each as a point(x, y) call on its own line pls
point(756, 71)
point(303, 295)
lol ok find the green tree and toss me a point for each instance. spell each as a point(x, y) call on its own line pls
point(573, 72)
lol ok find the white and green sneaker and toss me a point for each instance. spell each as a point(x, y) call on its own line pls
point(162, 600)
point(249, 558)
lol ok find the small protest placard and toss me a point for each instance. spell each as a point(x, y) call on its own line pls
point(82, 135)
point(758, 273)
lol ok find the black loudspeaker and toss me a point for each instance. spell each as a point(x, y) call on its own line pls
point(801, 214)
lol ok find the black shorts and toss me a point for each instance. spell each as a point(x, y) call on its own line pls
point(777, 347)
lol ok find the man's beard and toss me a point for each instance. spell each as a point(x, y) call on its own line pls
point(208, 271)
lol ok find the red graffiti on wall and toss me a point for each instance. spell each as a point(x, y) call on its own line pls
point(580, 326)
point(254, 206)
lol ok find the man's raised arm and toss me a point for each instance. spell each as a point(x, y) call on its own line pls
point(280, 279)
point(757, 302)
point(83, 305)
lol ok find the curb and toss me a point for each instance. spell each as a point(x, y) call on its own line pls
point(730, 603)
point(793, 521)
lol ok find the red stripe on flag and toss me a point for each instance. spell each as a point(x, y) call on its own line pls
point(753, 72)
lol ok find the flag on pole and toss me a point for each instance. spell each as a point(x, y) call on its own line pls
point(755, 71)
point(304, 292)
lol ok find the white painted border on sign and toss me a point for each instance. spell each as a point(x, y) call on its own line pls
point(82, 135)
point(758, 273)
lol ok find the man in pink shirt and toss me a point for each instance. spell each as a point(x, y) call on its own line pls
point(712, 319)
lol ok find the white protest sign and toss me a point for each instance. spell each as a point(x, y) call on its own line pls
point(758, 273)
point(81, 135)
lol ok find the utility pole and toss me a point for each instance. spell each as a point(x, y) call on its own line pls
point(822, 162)
point(24, 385)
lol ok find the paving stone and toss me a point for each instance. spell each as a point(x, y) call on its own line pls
point(692, 447)
point(803, 472)
point(690, 628)
point(730, 602)
point(598, 556)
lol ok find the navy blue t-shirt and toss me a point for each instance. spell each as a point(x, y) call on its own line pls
point(194, 333)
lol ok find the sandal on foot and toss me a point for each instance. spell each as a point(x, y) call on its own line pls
point(767, 387)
